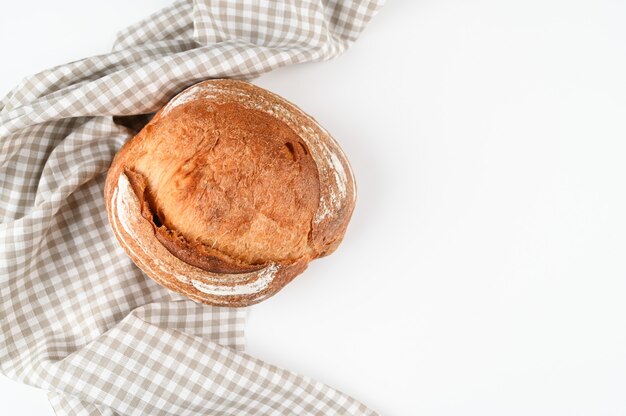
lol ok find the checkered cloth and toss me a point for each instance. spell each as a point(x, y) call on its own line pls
point(77, 317)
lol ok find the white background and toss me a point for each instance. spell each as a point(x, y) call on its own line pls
point(484, 270)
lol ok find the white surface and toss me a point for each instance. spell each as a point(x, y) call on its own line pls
point(483, 272)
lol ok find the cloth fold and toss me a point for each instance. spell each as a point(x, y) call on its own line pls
point(78, 319)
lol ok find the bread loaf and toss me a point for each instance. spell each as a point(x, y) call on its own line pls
point(228, 193)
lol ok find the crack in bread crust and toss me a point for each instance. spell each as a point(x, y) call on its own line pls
point(134, 233)
point(196, 253)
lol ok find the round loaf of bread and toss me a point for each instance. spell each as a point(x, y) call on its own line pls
point(228, 193)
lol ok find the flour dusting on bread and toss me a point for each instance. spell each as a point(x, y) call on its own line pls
point(190, 94)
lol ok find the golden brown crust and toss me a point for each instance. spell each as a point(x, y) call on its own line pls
point(194, 253)
point(228, 193)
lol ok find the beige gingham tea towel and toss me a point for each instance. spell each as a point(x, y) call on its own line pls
point(77, 317)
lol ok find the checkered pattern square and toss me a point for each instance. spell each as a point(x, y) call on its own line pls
point(78, 318)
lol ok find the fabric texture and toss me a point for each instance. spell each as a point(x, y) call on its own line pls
point(78, 318)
